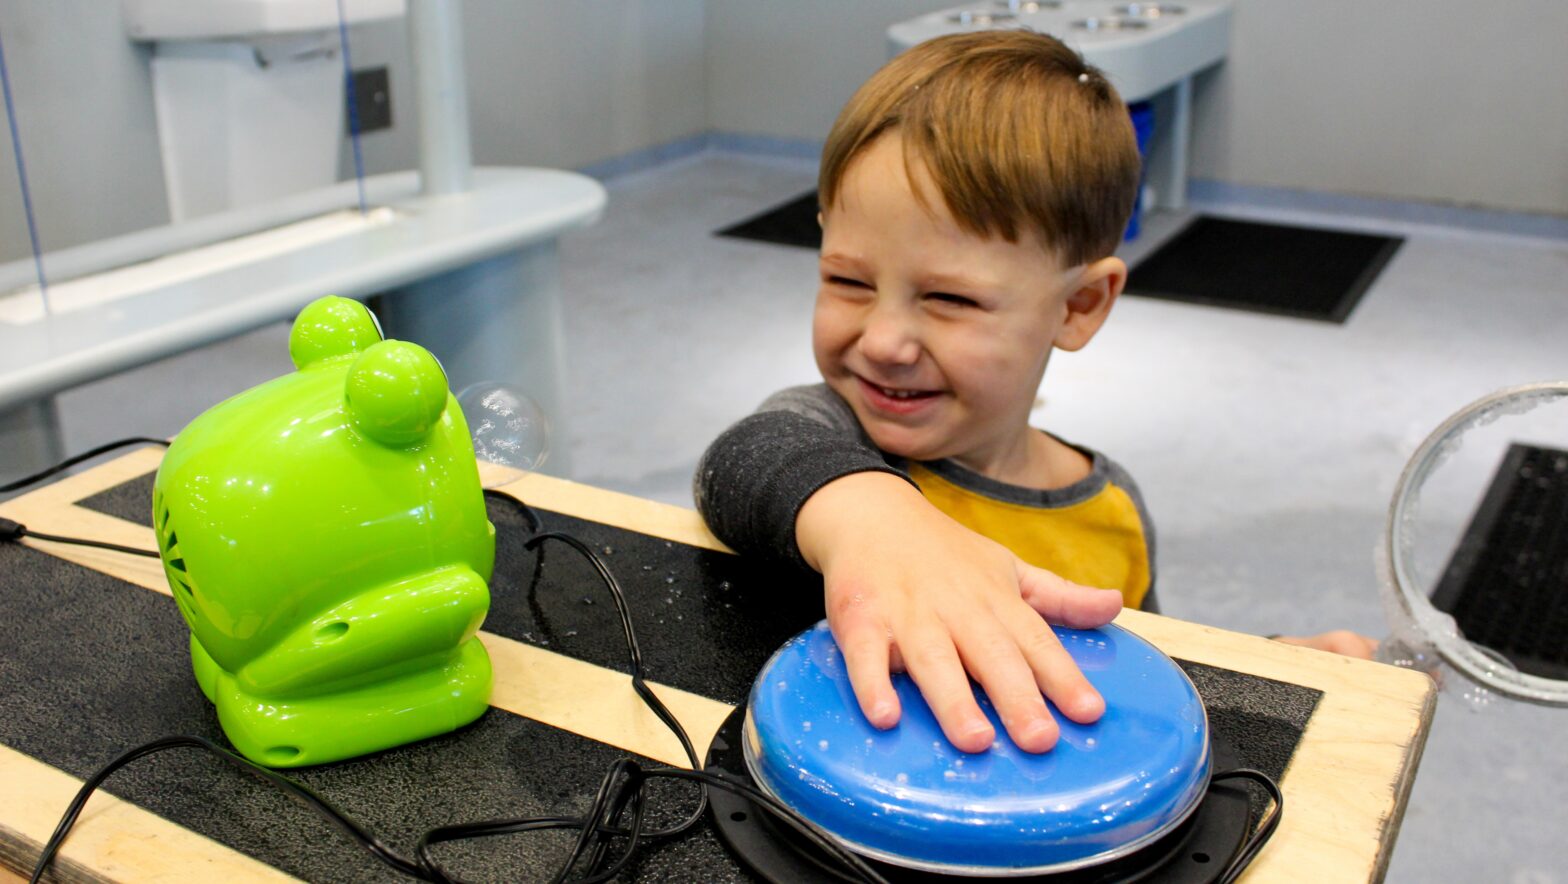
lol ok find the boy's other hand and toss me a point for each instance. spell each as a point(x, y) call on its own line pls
point(1338, 641)
point(909, 589)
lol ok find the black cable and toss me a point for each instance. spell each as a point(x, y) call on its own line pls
point(293, 789)
point(1265, 829)
point(73, 461)
point(535, 523)
point(12, 531)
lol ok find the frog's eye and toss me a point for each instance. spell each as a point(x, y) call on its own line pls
point(395, 392)
point(331, 327)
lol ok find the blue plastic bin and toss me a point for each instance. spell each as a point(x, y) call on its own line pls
point(1142, 114)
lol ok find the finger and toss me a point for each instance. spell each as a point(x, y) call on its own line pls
point(1062, 601)
point(1055, 673)
point(934, 664)
point(865, 648)
point(995, 660)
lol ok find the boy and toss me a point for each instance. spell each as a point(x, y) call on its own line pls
point(972, 194)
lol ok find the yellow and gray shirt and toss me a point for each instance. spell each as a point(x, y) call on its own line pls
point(755, 477)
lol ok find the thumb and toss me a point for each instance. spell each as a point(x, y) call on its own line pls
point(1064, 602)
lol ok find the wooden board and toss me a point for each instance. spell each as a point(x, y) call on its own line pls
point(1346, 786)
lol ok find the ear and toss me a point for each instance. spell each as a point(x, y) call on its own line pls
point(1089, 302)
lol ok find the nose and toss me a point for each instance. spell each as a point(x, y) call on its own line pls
point(891, 336)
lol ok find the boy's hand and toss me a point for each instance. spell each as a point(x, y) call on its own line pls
point(908, 588)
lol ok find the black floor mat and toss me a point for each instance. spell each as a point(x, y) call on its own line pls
point(791, 224)
point(1270, 268)
point(1506, 584)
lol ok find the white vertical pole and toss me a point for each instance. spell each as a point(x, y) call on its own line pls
point(441, 90)
point(1175, 195)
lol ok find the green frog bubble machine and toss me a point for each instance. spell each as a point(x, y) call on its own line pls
point(325, 537)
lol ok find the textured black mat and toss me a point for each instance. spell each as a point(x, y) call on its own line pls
point(1506, 583)
point(94, 665)
point(1270, 268)
point(793, 223)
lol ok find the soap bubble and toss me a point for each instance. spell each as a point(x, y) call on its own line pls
point(511, 433)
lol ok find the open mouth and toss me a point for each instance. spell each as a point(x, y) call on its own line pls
point(896, 399)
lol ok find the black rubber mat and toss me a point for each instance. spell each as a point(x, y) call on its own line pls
point(1506, 583)
point(790, 224)
point(94, 666)
point(1302, 272)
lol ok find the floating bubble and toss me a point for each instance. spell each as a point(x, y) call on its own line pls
point(511, 433)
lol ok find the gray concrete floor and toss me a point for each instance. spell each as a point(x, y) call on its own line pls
point(1267, 448)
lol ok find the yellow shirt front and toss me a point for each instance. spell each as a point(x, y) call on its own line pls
point(1093, 532)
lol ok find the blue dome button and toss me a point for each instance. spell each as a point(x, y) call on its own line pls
point(908, 797)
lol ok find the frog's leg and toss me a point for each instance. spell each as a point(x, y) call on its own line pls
point(394, 664)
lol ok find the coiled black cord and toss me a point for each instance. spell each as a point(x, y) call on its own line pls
point(1265, 829)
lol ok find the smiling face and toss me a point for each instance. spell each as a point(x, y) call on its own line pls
point(936, 337)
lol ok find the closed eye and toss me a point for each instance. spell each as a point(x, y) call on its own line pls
point(955, 300)
point(846, 281)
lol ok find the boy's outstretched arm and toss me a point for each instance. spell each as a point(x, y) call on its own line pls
point(906, 586)
point(909, 588)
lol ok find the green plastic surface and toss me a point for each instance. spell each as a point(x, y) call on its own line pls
point(325, 537)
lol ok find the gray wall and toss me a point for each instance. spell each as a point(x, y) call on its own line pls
point(1452, 101)
point(783, 69)
point(83, 97)
point(552, 83)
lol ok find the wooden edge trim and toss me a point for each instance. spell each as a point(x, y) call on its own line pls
point(1348, 780)
point(597, 703)
point(114, 840)
point(1405, 781)
point(662, 520)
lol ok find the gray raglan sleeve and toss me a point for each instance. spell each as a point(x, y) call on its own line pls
point(1123, 479)
point(753, 480)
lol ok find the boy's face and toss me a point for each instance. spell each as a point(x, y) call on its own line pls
point(936, 337)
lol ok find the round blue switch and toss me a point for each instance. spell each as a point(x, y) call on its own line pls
point(907, 797)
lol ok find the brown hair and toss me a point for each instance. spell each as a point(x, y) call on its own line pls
point(1015, 129)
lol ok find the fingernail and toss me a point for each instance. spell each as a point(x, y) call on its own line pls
point(1034, 731)
point(883, 711)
